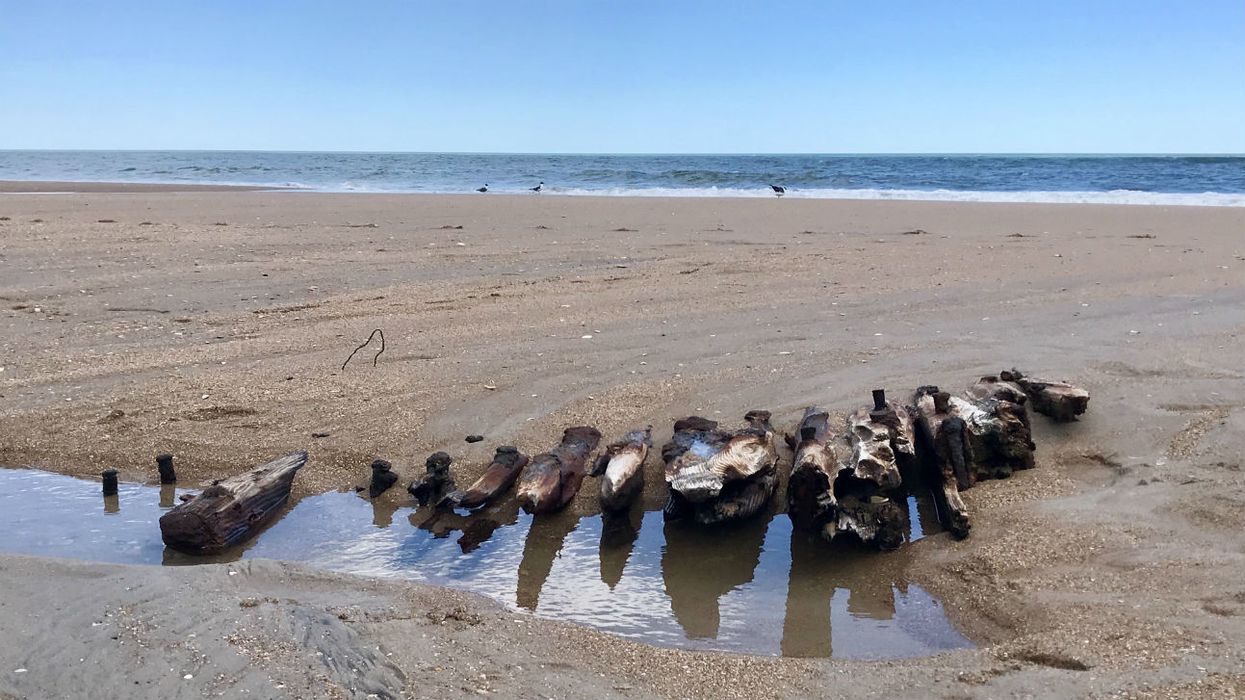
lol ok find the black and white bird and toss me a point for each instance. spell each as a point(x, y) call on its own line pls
point(482, 189)
point(538, 187)
point(779, 190)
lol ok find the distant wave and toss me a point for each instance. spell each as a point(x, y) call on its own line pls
point(1168, 180)
point(1203, 199)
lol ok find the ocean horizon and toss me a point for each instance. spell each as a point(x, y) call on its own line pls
point(1159, 179)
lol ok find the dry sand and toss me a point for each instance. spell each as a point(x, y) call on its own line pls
point(214, 325)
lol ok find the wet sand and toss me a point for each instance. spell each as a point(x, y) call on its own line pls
point(214, 324)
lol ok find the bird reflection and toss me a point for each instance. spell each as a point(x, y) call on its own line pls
point(699, 565)
point(544, 542)
point(619, 531)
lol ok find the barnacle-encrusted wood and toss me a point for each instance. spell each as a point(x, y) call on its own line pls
point(621, 468)
point(507, 464)
point(232, 510)
point(553, 478)
point(717, 475)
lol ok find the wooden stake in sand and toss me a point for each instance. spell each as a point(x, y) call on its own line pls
point(164, 463)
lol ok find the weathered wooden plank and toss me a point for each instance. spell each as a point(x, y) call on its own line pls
point(504, 470)
point(232, 510)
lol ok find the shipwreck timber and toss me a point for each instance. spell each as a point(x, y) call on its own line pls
point(716, 475)
point(232, 510)
point(553, 478)
point(497, 479)
point(621, 468)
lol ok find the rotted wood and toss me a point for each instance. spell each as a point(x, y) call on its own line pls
point(232, 510)
point(497, 479)
point(810, 488)
point(947, 456)
point(553, 478)
point(866, 489)
point(1060, 401)
point(717, 475)
point(621, 468)
point(997, 430)
point(436, 483)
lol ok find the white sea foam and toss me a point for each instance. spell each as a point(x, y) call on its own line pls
point(1204, 199)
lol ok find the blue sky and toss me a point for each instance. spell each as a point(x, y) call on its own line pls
point(603, 76)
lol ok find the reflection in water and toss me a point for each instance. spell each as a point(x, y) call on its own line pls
point(544, 542)
point(112, 504)
point(382, 511)
point(698, 570)
point(619, 531)
point(752, 587)
point(168, 495)
point(806, 626)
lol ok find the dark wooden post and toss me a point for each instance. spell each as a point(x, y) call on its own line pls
point(110, 482)
point(164, 462)
point(879, 399)
point(382, 478)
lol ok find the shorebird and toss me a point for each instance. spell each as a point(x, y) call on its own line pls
point(482, 189)
point(778, 190)
point(538, 187)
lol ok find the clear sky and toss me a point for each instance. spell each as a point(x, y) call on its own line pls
point(613, 76)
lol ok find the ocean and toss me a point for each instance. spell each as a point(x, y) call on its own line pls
point(1157, 179)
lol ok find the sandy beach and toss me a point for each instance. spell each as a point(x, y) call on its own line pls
point(213, 324)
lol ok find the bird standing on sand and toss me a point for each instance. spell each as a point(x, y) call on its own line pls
point(778, 190)
point(482, 189)
point(538, 187)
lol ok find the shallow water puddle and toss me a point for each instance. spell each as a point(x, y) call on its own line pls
point(755, 587)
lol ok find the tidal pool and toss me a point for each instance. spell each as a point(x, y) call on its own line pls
point(755, 587)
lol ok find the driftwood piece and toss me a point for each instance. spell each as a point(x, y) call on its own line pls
point(436, 483)
point(947, 456)
point(621, 468)
point(1058, 400)
point(383, 477)
point(507, 464)
point(717, 475)
point(231, 511)
point(553, 478)
point(810, 488)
